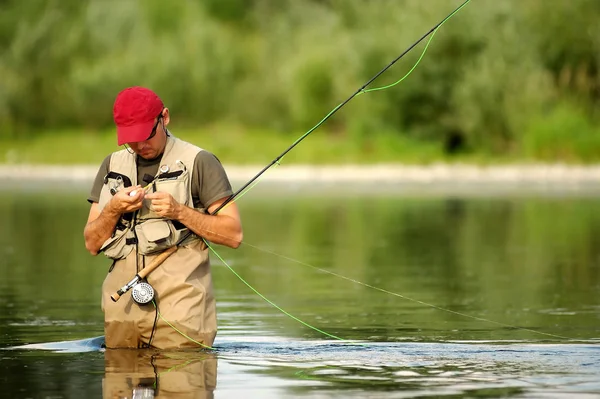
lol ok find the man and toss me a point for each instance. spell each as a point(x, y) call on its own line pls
point(156, 193)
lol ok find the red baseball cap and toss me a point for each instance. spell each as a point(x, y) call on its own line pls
point(134, 112)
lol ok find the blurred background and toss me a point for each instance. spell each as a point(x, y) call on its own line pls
point(501, 81)
point(511, 261)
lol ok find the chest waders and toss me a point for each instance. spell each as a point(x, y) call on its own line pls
point(182, 285)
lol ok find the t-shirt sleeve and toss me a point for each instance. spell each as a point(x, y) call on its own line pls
point(209, 182)
point(99, 181)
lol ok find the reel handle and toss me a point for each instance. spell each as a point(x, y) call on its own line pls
point(144, 272)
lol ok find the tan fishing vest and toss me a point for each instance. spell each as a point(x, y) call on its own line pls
point(144, 228)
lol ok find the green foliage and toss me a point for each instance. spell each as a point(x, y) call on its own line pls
point(491, 74)
point(564, 133)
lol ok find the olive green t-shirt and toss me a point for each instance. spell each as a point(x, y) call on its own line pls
point(209, 180)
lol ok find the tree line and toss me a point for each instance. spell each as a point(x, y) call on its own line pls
point(500, 77)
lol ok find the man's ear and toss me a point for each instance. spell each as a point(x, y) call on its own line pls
point(166, 117)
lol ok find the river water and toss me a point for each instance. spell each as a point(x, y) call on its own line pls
point(380, 293)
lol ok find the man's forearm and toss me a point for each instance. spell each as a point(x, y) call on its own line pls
point(96, 232)
point(220, 229)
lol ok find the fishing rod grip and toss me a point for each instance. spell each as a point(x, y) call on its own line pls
point(160, 258)
point(115, 297)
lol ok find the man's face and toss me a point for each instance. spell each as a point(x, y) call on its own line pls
point(157, 139)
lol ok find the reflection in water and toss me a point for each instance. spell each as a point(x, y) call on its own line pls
point(529, 263)
point(276, 367)
point(153, 374)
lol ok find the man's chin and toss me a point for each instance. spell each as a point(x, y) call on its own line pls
point(147, 155)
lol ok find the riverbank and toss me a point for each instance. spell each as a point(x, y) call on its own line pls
point(555, 177)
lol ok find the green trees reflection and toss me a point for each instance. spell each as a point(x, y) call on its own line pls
point(529, 262)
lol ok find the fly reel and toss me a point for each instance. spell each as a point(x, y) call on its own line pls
point(142, 293)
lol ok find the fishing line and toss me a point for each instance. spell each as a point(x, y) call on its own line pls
point(244, 190)
point(359, 283)
point(272, 303)
point(361, 90)
point(178, 330)
point(435, 29)
point(402, 296)
point(276, 162)
point(252, 182)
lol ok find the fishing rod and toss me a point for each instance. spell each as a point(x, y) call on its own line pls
point(145, 291)
point(329, 115)
point(361, 90)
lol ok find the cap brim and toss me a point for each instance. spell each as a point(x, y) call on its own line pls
point(134, 133)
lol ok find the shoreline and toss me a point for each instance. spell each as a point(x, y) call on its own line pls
point(556, 176)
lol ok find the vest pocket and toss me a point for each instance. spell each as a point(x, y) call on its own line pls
point(154, 235)
point(116, 247)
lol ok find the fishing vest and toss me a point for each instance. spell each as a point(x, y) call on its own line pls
point(144, 228)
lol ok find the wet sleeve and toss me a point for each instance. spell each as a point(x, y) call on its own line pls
point(99, 181)
point(209, 182)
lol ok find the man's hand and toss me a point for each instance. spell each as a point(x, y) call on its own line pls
point(101, 222)
point(165, 205)
point(127, 200)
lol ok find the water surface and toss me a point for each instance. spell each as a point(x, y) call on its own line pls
point(432, 295)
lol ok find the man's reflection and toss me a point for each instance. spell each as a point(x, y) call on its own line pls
point(135, 374)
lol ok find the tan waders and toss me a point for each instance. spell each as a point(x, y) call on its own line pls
point(183, 294)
